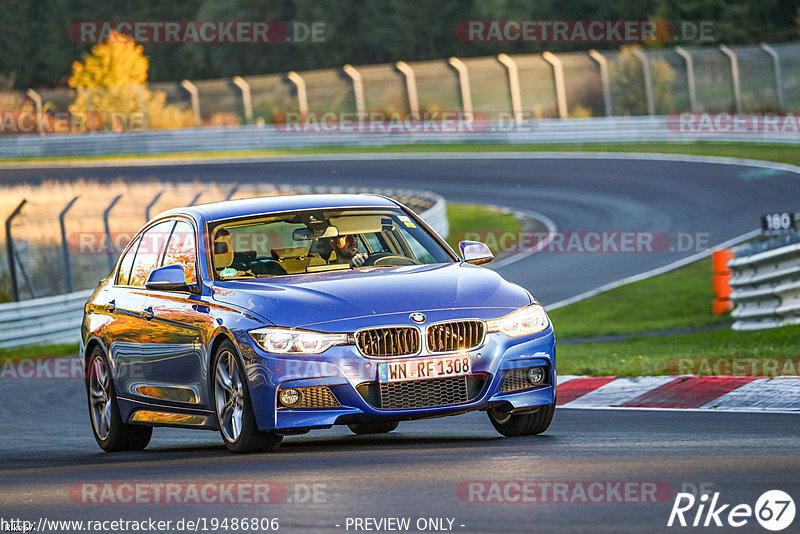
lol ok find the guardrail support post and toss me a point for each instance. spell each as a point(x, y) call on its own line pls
point(558, 78)
point(247, 99)
point(737, 92)
point(648, 80)
point(37, 101)
point(463, 83)
point(12, 264)
point(358, 88)
point(604, 79)
point(65, 245)
point(232, 192)
point(106, 212)
point(513, 85)
point(411, 85)
point(776, 64)
point(302, 96)
point(151, 204)
point(687, 58)
point(196, 198)
point(195, 97)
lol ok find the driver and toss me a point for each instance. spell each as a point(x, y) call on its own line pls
point(346, 248)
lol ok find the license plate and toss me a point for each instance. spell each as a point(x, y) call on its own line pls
point(420, 369)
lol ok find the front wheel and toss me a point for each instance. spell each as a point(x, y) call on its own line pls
point(234, 409)
point(523, 424)
point(109, 431)
point(380, 427)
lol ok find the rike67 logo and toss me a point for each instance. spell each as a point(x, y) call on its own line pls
point(774, 510)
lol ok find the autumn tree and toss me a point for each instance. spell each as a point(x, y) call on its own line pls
point(111, 85)
point(628, 88)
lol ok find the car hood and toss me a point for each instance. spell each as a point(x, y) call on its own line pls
point(324, 301)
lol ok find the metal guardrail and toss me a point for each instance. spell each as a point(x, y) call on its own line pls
point(766, 287)
point(243, 138)
point(57, 319)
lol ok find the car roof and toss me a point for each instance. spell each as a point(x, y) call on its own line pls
point(230, 209)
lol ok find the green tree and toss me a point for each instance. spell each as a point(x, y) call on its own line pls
point(627, 83)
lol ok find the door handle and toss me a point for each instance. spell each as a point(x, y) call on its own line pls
point(111, 306)
point(147, 313)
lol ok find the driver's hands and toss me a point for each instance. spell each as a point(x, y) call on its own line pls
point(358, 260)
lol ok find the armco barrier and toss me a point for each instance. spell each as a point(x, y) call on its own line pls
point(57, 319)
point(766, 287)
point(192, 140)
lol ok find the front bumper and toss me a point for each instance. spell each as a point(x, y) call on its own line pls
point(346, 372)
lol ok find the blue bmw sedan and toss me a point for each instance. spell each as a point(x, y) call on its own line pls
point(273, 316)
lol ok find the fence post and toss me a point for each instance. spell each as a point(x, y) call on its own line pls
point(687, 57)
point(247, 98)
point(11, 252)
point(463, 83)
point(196, 198)
point(411, 85)
point(513, 85)
point(558, 78)
point(737, 92)
point(37, 101)
point(195, 97)
point(648, 80)
point(108, 231)
point(232, 191)
point(358, 88)
point(604, 79)
point(302, 96)
point(65, 245)
point(151, 204)
point(776, 63)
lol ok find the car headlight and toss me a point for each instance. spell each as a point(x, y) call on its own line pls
point(287, 341)
point(528, 320)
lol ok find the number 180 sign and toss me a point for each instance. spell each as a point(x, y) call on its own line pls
point(777, 223)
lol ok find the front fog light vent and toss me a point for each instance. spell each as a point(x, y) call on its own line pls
point(309, 397)
point(525, 378)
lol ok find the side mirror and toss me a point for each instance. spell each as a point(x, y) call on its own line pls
point(168, 278)
point(475, 252)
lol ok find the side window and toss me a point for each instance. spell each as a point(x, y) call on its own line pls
point(125, 266)
point(181, 250)
point(149, 253)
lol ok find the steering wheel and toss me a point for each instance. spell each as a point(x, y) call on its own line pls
point(387, 258)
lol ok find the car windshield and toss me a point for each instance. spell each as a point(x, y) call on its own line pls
point(318, 241)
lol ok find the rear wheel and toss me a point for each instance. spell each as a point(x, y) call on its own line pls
point(109, 431)
point(234, 409)
point(380, 427)
point(523, 424)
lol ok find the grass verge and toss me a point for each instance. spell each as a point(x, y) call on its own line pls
point(464, 218)
point(678, 299)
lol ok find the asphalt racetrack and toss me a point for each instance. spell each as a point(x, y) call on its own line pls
point(48, 455)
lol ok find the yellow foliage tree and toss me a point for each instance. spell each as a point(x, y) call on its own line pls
point(111, 85)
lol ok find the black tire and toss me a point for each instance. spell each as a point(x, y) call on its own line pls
point(120, 436)
point(523, 424)
point(379, 427)
point(249, 439)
